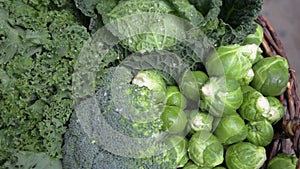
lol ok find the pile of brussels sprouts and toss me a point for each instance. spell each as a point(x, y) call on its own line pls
point(237, 106)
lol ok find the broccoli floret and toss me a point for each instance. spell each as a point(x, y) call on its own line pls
point(82, 151)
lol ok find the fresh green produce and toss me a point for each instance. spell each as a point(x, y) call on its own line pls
point(58, 83)
point(231, 129)
point(245, 155)
point(179, 145)
point(255, 38)
point(221, 96)
point(200, 120)
point(200, 78)
point(276, 110)
point(190, 165)
point(154, 82)
point(205, 150)
point(174, 119)
point(79, 151)
point(255, 106)
point(38, 47)
point(175, 98)
point(235, 61)
point(260, 133)
point(271, 76)
point(286, 161)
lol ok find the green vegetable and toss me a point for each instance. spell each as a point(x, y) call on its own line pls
point(131, 113)
point(239, 12)
point(190, 165)
point(255, 106)
point(271, 76)
point(200, 120)
point(179, 145)
point(32, 160)
point(38, 48)
point(221, 96)
point(205, 150)
point(260, 132)
point(255, 38)
point(287, 161)
point(153, 81)
point(235, 61)
point(200, 78)
point(231, 129)
point(144, 41)
point(189, 86)
point(175, 98)
point(245, 155)
point(174, 119)
point(79, 151)
point(276, 110)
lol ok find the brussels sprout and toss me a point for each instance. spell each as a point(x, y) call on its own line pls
point(231, 129)
point(179, 145)
point(221, 96)
point(174, 119)
point(175, 98)
point(271, 76)
point(200, 121)
point(219, 168)
point(153, 80)
point(260, 133)
point(255, 106)
point(233, 61)
point(189, 86)
point(245, 155)
point(200, 78)
point(139, 98)
point(276, 110)
point(286, 161)
point(190, 165)
point(255, 38)
point(205, 150)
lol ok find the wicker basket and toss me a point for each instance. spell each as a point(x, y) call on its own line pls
point(287, 132)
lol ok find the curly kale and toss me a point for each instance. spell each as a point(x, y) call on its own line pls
point(37, 53)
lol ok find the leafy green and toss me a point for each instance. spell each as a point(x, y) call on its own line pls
point(32, 160)
point(239, 12)
point(37, 54)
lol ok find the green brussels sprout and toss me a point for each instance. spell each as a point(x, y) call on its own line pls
point(139, 97)
point(153, 80)
point(260, 133)
point(255, 38)
point(205, 150)
point(233, 61)
point(200, 78)
point(271, 76)
point(245, 155)
point(276, 110)
point(221, 96)
point(189, 86)
point(174, 119)
point(219, 168)
point(200, 121)
point(175, 98)
point(179, 145)
point(255, 106)
point(190, 165)
point(231, 129)
point(286, 161)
